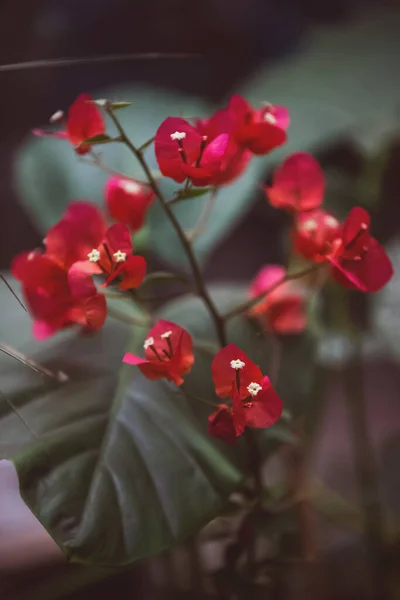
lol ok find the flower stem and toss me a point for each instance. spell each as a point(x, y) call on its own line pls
point(28, 362)
point(245, 306)
point(200, 284)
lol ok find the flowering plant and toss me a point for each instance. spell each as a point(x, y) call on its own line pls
point(131, 431)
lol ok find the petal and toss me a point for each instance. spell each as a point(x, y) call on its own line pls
point(167, 150)
point(315, 233)
point(261, 138)
point(151, 369)
point(118, 237)
point(287, 315)
point(80, 278)
point(81, 229)
point(127, 201)
point(95, 311)
point(84, 120)
point(266, 278)
point(62, 135)
point(132, 271)
point(37, 271)
point(369, 274)
point(221, 424)
point(266, 407)
point(299, 184)
point(356, 220)
point(224, 376)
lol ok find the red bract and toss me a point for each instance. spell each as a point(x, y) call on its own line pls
point(283, 310)
point(84, 121)
point(113, 258)
point(254, 400)
point(361, 262)
point(127, 201)
point(298, 184)
point(183, 151)
point(260, 130)
point(316, 235)
point(55, 304)
point(168, 351)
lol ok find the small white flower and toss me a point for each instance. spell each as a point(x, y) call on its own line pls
point(166, 335)
point(94, 255)
point(269, 117)
point(331, 221)
point(149, 342)
point(310, 225)
point(237, 364)
point(253, 388)
point(119, 256)
point(178, 135)
point(131, 187)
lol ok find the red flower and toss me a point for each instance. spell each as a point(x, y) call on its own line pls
point(316, 235)
point(298, 185)
point(127, 201)
point(183, 151)
point(254, 401)
point(361, 262)
point(81, 243)
point(169, 353)
point(260, 130)
point(53, 302)
point(282, 310)
point(84, 121)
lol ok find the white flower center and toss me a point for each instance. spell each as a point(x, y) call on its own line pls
point(94, 255)
point(119, 256)
point(149, 342)
point(178, 135)
point(269, 117)
point(309, 225)
point(166, 335)
point(131, 187)
point(253, 388)
point(331, 221)
point(237, 364)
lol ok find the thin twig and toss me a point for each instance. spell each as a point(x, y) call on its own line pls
point(200, 284)
point(28, 362)
point(13, 293)
point(49, 63)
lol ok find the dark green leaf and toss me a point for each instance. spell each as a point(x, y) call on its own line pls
point(100, 138)
point(121, 104)
point(190, 193)
point(101, 458)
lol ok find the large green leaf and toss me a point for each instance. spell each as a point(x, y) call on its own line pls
point(101, 459)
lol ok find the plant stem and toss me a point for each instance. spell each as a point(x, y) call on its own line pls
point(200, 285)
point(245, 306)
point(28, 362)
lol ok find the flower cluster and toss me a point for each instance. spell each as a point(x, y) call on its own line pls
point(354, 258)
point(59, 280)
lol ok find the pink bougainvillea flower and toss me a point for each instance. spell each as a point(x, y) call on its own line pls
point(84, 121)
point(361, 262)
point(298, 184)
point(254, 401)
point(259, 130)
point(183, 150)
point(127, 201)
point(52, 301)
point(282, 310)
point(316, 235)
point(168, 351)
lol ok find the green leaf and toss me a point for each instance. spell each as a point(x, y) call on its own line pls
point(101, 459)
point(119, 105)
point(100, 138)
point(190, 193)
